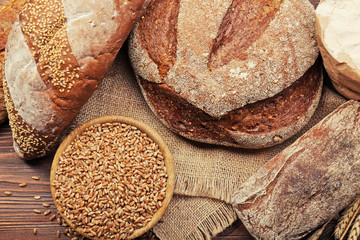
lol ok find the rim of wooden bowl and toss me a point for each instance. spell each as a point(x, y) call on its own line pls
point(151, 133)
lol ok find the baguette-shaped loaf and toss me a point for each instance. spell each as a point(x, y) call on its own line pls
point(233, 72)
point(8, 13)
point(57, 54)
point(307, 183)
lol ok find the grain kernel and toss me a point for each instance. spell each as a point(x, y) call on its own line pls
point(37, 211)
point(115, 205)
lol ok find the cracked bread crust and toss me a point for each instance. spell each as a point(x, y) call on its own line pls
point(306, 184)
point(258, 125)
point(215, 78)
point(226, 54)
point(57, 54)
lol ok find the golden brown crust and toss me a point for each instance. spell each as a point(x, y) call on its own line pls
point(162, 49)
point(230, 56)
point(8, 13)
point(67, 48)
point(3, 112)
point(272, 119)
point(231, 43)
point(275, 56)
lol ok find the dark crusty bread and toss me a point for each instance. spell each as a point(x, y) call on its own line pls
point(238, 73)
point(307, 183)
point(56, 56)
point(8, 13)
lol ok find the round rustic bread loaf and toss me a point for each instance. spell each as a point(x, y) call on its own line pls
point(237, 73)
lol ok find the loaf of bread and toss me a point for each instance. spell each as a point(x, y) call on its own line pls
point(8, 13)
point(307, 183)
point(56, 56)
point(231, 72)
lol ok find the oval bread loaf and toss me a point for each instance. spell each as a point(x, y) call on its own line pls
point(307, 183)
point(8, 13)
point(238, 73)
point(56, 56)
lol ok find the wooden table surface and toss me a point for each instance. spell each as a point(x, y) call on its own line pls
point(17, 216)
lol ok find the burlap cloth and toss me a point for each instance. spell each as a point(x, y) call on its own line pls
point(206, 175)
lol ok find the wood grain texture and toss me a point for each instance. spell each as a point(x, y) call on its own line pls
point(17, 219)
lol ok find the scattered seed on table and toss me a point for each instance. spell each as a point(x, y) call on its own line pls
point(52, 218)
point(47, 212)
point(35, 177)
point(7, 193)
point(58, 234)
point(22, 185)
point(37, 197)
point(46, 205)
point(35, 231)
point(37, 211)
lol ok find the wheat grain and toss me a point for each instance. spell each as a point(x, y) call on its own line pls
point(345, 220)
point(36, 211)
point(46, 205)
point(355, 229)
point(98, 184)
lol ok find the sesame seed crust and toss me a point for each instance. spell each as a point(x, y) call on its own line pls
point(47, 88)
point(8, 14)
point(44, 29)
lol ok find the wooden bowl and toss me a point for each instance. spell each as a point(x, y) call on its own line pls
point(152, 134)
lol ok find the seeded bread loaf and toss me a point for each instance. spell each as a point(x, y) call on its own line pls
point(307, 183)
point(56, 56)
point(238, 73)
point(8, 13)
